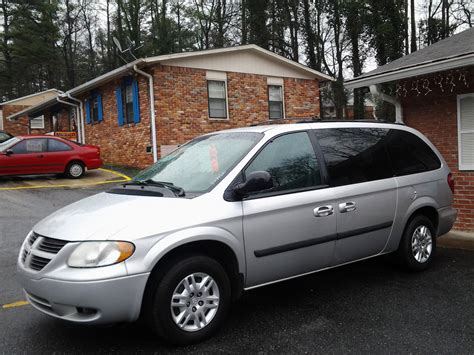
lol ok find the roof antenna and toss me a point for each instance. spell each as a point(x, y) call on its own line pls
point(130, 48)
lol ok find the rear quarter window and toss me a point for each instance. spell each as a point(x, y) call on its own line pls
point(409, 154)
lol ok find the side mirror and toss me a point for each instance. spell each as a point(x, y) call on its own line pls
point(255, 181)
point(8, 152)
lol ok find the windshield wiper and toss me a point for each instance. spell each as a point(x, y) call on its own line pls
point(178, 191)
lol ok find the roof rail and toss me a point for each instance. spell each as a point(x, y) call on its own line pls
point(330, 120)
point(323, 120)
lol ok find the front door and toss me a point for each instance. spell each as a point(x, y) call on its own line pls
point(290, 230)
point(27, 157)
point(363, 187)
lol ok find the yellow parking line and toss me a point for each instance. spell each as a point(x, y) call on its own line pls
point(124, 177)
point(65, 185)
point(127, 178)
point(16, 304)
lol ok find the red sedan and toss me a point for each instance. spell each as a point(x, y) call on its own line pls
point(47, 155)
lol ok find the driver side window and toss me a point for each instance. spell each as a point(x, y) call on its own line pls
point(37, 145)
point(290, 160)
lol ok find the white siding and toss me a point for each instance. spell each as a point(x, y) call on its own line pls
point(241, 62)
point(466, 131)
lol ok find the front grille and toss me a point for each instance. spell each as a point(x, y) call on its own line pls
point(38, 263)
point(32, 238)
point(24, 254)
point(51, 245)
point(38, 251)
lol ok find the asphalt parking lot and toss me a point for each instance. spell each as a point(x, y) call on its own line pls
point(369, 307)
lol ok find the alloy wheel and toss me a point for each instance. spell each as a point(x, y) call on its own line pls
point(195, 302)
point(421, 244)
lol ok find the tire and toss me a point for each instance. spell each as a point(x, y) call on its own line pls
point(207, 308)
point(418, 244)
point(75, 170)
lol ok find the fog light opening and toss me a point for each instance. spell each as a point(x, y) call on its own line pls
point(86, 311)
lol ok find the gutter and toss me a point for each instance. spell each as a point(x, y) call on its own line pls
point(80, 118)
point(374, 90)
point(152, 111)
point(414, 70)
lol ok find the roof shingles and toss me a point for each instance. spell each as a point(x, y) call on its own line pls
point(455, 46)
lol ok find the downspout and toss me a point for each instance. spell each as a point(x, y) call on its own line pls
point(374, 90)
point(70, 104)
point(80, 119)
point(152, 111)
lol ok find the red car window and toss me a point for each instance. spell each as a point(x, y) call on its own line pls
point(36, 145)
point(57, 146)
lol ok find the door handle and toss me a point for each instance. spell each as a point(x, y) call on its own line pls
point(40, 156)
point(323, 211)
point(347, 207)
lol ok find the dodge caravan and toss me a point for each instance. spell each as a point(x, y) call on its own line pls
point(234, 210)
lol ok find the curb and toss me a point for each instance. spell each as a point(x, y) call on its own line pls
point(457, 240)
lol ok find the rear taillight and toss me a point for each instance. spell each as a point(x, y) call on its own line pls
point(451, 182)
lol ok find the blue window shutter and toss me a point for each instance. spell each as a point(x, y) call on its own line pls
point(88, 112)
point(136, 103)
point(99, 108)
point(118, 93)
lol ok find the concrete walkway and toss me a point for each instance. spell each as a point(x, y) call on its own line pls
point(457, 240)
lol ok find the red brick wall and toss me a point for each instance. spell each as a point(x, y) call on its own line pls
point(18, 127)
point(181, 102)
point(125, 145)
point(301, 98)
point(181, 108)
point(435, 115)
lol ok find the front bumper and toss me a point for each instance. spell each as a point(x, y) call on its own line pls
point(92, 302)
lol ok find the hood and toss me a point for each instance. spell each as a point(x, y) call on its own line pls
point(118, 217)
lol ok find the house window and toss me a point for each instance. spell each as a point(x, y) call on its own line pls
point(127, 93)
point(94, 113)
point(128, 104)
point(37, 122)
point(466, 131)
point(275, 101)
point(95, 110)
point(217, 95)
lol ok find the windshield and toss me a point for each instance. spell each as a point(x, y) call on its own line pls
point(201, 163)
point(7, 144)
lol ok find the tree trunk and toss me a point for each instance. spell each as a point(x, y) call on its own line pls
point(6, 50)
point(310, 40)
point(243, 21)
point(413, 26)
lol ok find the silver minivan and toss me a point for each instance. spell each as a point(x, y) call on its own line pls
point(234, 210)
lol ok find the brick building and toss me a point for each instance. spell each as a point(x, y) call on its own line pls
point(191, 94)
point(433, 91)
point(21, 124)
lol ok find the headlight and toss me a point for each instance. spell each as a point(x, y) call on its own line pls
point(94, 254)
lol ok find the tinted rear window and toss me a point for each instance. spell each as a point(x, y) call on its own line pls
point(409, 154)
point(355, 155)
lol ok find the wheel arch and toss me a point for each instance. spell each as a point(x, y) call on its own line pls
point(74, 160)
point(424, 209)
point(221, 246)
point(423, 205)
